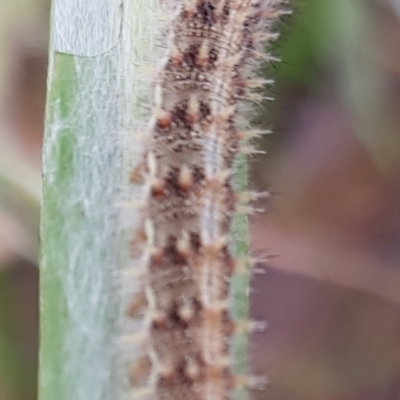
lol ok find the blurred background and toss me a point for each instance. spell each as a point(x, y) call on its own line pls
point(330, 234)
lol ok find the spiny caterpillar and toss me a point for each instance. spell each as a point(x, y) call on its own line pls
point(213, 50)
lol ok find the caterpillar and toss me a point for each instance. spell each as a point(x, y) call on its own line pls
point(198, 128)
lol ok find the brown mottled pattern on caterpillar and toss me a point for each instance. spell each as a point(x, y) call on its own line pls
point(213, 49)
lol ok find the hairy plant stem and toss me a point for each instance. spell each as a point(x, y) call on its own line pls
point(91, 102)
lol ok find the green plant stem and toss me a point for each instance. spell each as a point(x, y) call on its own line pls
point(77, 225)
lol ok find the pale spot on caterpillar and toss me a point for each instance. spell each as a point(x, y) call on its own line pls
point(185, 179)
point(186, 313)
point(192, 369)
point(183, 246)
point(203, 55)
point(193, 109)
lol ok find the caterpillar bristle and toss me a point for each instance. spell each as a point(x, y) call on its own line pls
point(250, 150)
point(249, 382)
point(139, 370)
point(131, 272)
point(133, 203)
point(250, 196)
point(247, 327)
point(136, 338)
point(246, 265)
point(254, 134)
point(137, 305)
point(157, 186)
point(137, 175)
point(145, 393)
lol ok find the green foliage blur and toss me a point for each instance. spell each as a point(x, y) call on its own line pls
point(23, 45)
